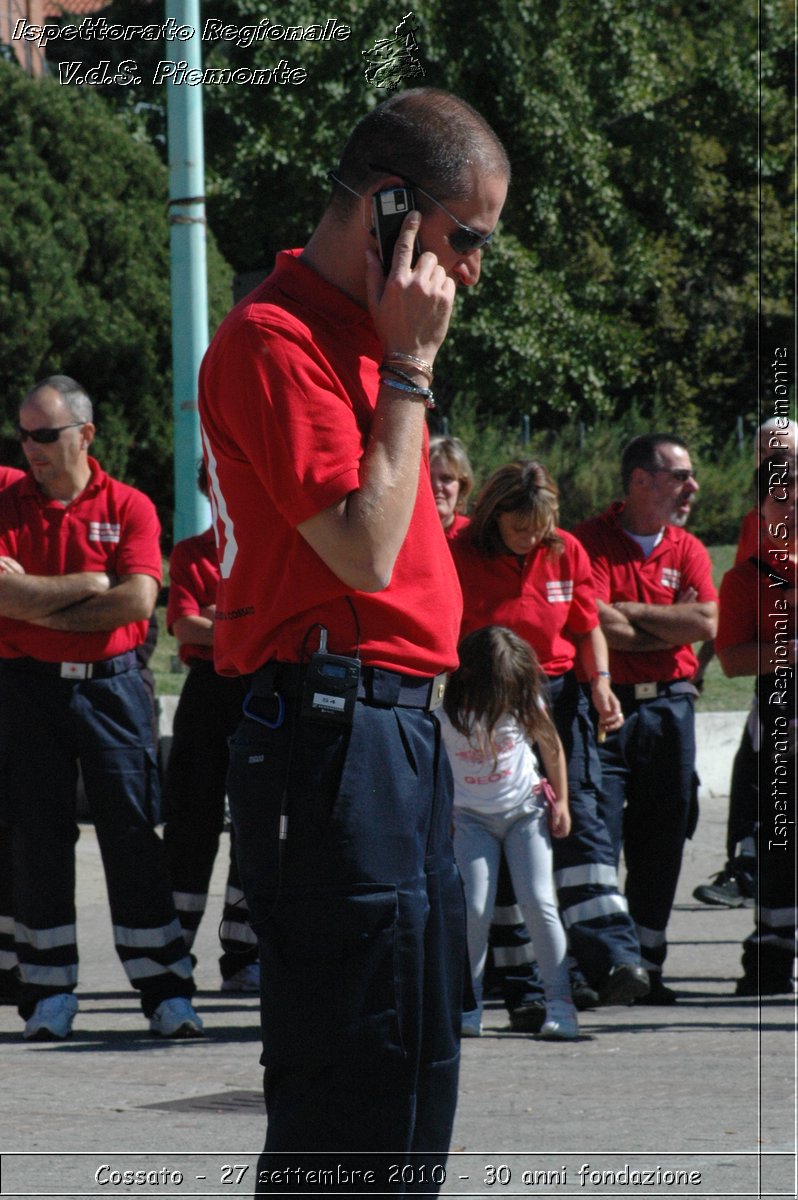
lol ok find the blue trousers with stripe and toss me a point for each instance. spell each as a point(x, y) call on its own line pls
point(650, 805)
point(105, 724)
point(360, 919)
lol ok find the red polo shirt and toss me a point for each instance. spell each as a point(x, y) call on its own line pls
point(751, 533)
point(287, 392)
point(193, 580)
point(621, 572)
point(756, 604)
point(549, 600)
point(9, 475)
point(108, 527)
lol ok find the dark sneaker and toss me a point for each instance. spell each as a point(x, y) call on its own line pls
point(584, 996)
point(750, 986)
point(729, 889)
point(10, 987)
point(625, 983)
point(528, 1018)
point(658, 993)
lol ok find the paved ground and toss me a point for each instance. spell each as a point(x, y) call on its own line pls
point(696, 1100)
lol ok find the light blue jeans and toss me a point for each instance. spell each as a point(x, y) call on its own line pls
point(524, 833)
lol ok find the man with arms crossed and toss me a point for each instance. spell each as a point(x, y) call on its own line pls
point(312, 401)
point(655, 596)
point(80, 565)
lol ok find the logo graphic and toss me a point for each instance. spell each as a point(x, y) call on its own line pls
point(392, 59)
point(559, 591)
point(671, 578)
point(102, 531)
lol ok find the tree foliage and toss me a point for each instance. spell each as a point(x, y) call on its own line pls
point(652, 162)
point(84, 270)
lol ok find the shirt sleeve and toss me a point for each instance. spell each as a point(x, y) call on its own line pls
point(697, 571)
point(737, 621)
point(294, 416)
point(183, 600)
point(139, 551)
point(583, 613)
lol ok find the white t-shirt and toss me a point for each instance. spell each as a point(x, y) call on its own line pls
point(478, 783)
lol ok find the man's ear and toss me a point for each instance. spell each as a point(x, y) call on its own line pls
point(87, 434)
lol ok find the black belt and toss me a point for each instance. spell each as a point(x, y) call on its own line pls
point(76, 671)
point(652, 691)
point(377, 685)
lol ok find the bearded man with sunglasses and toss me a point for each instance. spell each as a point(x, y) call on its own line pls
point(313, 397)
point(655, 597)
point(80, 567)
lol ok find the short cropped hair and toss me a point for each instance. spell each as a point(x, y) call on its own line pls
point(74, 395)
point(426, 135)
point(643, 453)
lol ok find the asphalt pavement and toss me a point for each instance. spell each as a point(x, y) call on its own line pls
point(693, 1100)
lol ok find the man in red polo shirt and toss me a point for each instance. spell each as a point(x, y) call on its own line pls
point(312, 400)
point(9, 971)
point(80, 566)
point(655, 596)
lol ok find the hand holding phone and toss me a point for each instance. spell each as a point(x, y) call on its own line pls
point(389, 209)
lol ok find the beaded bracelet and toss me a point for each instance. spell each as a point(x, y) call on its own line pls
point(398, 372)
point(400, 356)
point(411, 389)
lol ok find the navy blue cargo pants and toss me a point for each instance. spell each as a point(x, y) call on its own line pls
point(359, 913)
point(105, 723)
point(649, 787)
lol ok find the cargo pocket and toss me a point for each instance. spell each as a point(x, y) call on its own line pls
point(327, 964)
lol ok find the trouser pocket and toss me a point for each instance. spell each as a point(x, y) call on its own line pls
point(327, 963)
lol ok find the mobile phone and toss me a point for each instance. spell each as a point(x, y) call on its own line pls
point(389, 209)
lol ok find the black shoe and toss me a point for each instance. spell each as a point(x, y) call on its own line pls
point(625, 983)
point(583, 995)
point(658, 993)
point(528, 1018)
point(731, 888)
point(750, 986)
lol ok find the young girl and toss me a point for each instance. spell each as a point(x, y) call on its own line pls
point(493, 714)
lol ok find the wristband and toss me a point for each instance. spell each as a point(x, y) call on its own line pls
point(601, 675)
point(410, 389)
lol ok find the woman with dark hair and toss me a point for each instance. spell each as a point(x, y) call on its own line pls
point(517, 568)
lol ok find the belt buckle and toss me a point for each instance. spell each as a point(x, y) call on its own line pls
point(645, 691)
point(75, 670)
point(438, 690)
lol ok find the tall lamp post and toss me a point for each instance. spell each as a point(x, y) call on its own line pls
point(189, 284)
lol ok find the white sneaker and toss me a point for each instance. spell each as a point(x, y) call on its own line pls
point(471, 1025)
point(562, 1023)
point(176, 1018)
point(51, 1019)
point(245, 980)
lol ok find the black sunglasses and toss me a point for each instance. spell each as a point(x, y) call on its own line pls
point(45, 437)
point(680, 474)
point(464, 240)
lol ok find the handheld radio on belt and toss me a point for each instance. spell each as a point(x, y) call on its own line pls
point(329, 691)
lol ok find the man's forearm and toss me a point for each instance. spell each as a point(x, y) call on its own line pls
point(622, 635)
point(33, 597)
point(132, 599)
point(674, 624)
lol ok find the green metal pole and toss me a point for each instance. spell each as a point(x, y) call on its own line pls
point(187, 240)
